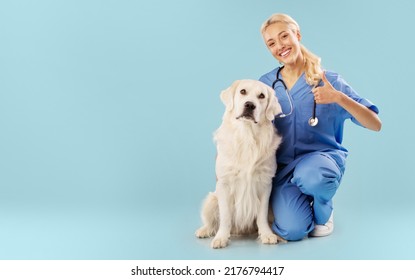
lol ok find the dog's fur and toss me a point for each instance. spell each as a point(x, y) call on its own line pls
point(245, 165)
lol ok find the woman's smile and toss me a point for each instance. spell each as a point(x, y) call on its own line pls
point(284, 53)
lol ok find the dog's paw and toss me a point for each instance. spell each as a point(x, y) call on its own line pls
point(203, 232)
point(219, 242)
point(269, 238)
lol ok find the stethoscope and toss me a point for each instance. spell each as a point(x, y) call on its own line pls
point(313, 121)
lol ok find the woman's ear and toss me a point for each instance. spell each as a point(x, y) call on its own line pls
point(273, 106)
point(298, 35)
point(227, 96)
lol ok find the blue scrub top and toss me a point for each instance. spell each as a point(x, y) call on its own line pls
point(301, 139)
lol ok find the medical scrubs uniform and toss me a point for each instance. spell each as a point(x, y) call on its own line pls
point(311, 160)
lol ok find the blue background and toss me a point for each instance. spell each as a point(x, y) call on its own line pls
point(107, 110)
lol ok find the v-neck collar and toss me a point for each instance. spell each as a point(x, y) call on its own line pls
point(296, 82)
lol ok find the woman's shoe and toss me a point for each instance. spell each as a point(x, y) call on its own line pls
point(323, 230)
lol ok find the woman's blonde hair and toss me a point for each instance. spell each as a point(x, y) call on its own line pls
point(312, 63)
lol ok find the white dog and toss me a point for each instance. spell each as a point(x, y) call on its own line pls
point(245, 165)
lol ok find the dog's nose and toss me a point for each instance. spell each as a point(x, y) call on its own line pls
point(249, 105)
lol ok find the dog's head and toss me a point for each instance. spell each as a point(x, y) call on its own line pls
point(251, 100)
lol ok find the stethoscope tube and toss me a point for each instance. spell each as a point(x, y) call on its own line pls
point(313, 121)
point(282, 115)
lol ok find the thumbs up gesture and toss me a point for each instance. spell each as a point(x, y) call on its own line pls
point(327, 93)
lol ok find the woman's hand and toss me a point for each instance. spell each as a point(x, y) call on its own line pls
point(327, 93)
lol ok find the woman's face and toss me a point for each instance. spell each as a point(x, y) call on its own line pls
point(283, 43)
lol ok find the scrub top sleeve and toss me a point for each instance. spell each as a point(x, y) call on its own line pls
point(266, 79)
point(341, 85)
point(269, 77)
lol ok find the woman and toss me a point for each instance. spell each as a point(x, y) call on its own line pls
point(311, 159)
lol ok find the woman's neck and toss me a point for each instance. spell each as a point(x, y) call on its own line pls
point(291, 72)
point(294, 70)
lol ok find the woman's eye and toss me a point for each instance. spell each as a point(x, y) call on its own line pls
point(243, 91)
point(261, 96)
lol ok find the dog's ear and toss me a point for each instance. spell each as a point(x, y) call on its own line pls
point(273, 106)
point(227, 95)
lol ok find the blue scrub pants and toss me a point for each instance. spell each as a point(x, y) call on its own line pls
point(303, 196)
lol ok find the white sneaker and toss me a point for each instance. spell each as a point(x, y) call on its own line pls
point(323, 230)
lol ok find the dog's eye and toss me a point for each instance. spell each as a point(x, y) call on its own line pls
point(261, 96)
point(243, 91)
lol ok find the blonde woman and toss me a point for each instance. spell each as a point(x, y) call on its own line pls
point(311, 159)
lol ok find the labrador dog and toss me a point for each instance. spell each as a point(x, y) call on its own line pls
point(246, 144)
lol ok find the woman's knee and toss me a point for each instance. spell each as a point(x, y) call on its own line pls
point(292, 231)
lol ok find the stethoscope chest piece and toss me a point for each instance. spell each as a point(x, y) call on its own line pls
point(313, 121)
